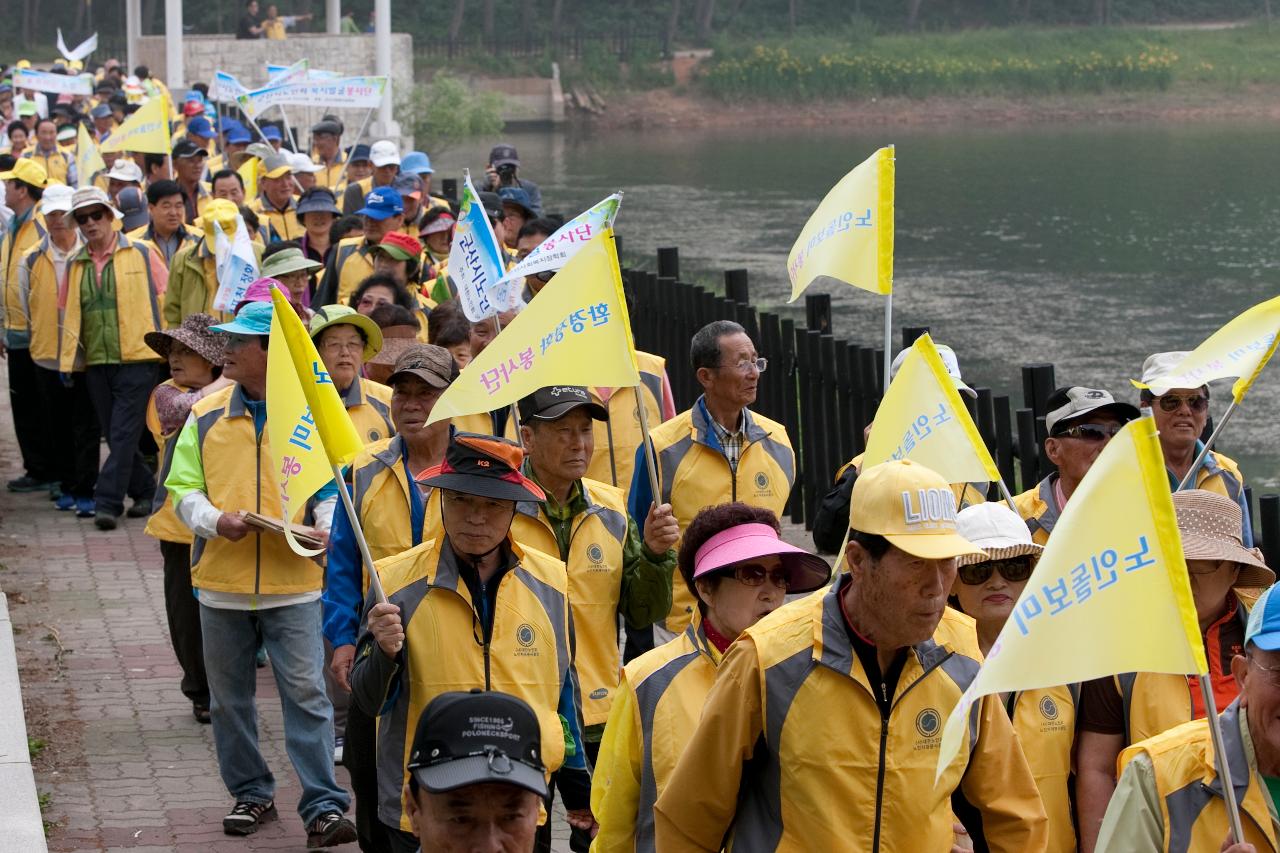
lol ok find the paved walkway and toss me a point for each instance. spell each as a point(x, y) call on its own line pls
point(125, 766)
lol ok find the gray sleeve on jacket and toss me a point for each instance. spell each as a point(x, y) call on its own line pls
point(373, 676)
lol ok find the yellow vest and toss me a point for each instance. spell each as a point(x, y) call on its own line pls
point(137, 304)
point(281, 224)
point(1038, 509)
point(369, 405)
point(239, 474)
point(694, 474)
point(42, 301)
point(12, 248)
point(594, 565)
point(353, 265)
point(328, 175)
point(56, 164)
point(614, 458)
point(164, 523)
point(380, 496)
point(529, 654)
point(1045, 721)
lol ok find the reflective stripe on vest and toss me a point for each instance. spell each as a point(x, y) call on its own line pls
point(1186, 804)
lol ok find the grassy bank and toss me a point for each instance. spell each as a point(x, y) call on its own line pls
point(1016, 61)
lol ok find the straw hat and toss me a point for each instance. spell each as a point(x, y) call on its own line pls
point(997, 530)
point(1210, 526)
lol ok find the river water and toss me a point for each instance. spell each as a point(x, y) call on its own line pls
point(1085, 246)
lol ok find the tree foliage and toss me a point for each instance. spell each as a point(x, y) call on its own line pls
point(446, 112)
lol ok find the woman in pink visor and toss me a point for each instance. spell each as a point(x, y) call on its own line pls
point(739, 571)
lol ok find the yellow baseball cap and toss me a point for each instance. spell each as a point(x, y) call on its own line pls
point(28, 171)
point(224, 212)
point(910, 505)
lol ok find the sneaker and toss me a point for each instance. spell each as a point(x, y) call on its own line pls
point(140, 509)
point(261, 657)
point(84, 508)
point(329, 829)
point(64, 503)
point(55, 492)
point(245, 817)
point(337, 751)
point(200, 711)
point(104, 520)
point(29, 484)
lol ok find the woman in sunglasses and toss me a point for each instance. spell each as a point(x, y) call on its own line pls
point(987, 587)
point(738, 571)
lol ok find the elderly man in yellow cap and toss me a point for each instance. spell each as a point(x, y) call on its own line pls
point(193, 273)
point(275, 204)
point(823, 727)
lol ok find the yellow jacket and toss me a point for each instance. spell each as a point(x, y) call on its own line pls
point(240, 475)
point(187, 235)
point(12, 248)
point(350, 264)
point(193, 283)
point(694, 473)
point(791, 752)
point(614, 459)
point(655, 710)
point(1045, 722)
point(137, 303)
point(1039, 509)
point(328, 175)
point(281, 224)
point(595, 585)
point(164, 523)
point(369, 405)
point(57, 164)
point(380, 496)
point(528, 655)
point(43, 318)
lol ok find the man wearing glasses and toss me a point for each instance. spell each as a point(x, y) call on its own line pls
point(1181, 415)
point(1079, 423)
point(716, 452)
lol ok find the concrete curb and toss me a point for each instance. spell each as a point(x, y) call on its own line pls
point(21, 826)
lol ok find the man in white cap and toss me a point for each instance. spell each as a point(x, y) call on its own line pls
point(385, 157)
point(823, 728)
point(1079, 423)
point(125, 173)
point(114, 286)
point(304, 170)
point(1181, 415)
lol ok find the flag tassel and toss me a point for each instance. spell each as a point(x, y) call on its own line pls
point(1208, 445)
point(375, 583)
point(1220, 755)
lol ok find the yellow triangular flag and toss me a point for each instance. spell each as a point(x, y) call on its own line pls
point(88, 160)
point(922, 418)
point(849, 238)
point(1241, 348)
point(575, 333)
point(248, 172)
point(147, 130)
point(1110, 593)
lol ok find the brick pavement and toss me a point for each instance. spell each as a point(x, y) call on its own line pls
point(126, 768)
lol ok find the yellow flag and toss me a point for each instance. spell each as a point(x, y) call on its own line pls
point(88, 160)
point(1241, 348)
point(249, 174)
point(575, 333)
point(147, 130)
point(1110, 593)
point(849, 238)
point(922, 418)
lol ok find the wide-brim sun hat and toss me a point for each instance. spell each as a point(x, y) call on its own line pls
point(744, 542)
point(1210, 525)
point(485, 466)
point(196, 333)
point(997, 530)
point(327, 316)
point(286, 261)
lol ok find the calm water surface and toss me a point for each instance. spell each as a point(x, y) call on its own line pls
point(1088, 247)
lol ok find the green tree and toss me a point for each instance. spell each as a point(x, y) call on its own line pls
point(446, 112)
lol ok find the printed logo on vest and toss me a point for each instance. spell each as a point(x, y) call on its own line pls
point(929, 727)
point(599, 693)
point(1049, 708)
point(374, 435)
point(525, 635)
point(595, 553)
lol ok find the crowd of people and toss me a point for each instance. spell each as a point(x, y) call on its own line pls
point(661, 659)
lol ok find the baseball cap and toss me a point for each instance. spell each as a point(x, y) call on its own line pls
point(238, 136)
point(276, 164)
point(253, 318)
point(359, 153)
point(200, 127)
point(408, 184)
point(27, 108)
point(126, 170)
point(56, 199)
point(518, 197)
point(384, 153)
point(300, 162)
point(1161, 365)
point(492, 205)
point(133, 206)
point(400, 246)
point(504, 155)
point(416, 162)
point(1263, 627)
point(1067, 404)
point(186, 149)
point(477, 738)
point(338, 315)
point(553, 402)
point(272, 133)
point(100, 111)
point(28, 171)
point(949, 361)
point(192, 108)
point(432, 364)
point(381, 203)
point(910, 505)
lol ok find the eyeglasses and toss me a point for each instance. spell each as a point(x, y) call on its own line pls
point(750, 574)
point(1172, 402)
point(1090, 432)
point(760, 364)
point(94, 215)
point(336, 346)
point(1014, 570)
point(1273, 672)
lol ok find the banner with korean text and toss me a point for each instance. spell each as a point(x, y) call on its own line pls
point(575, 333)
point(555, 251)
point(346, 92)
point(59, 84)
point(475, 258)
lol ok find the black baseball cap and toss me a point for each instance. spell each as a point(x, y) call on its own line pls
point(504, 155)
point(555, 401)
point(186, 148)
point(477, 738)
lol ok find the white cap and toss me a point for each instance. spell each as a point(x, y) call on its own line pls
point(1160, 365)
point(997, 530)
point(56, 199)
point(302, 163)
point(949, 361)
point(125, 170)
point(384, 153)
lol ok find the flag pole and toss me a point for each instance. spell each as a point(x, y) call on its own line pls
point(375, 583)
point(515, 411)
point(1224, 770)
point(359, 133)
point(888, 339)
point(1004, 493)
point(1208, 445)
point(648, 449)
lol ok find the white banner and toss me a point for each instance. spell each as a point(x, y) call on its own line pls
point(274, 71)
point(226, 88)
point(43, 81)
point(237, 266)
point(475, 260)
point(82, 50)
point(349, 92)
point(555, 251)
point(284, 74)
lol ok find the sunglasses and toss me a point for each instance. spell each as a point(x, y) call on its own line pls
point(1090, 432)
point(1014, 570)
point(92, 215)
point(752, 575)
point(1171, 403)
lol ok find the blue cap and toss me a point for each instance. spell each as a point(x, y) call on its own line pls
point(200, 127)
point(416, 162)
point(100, 111)
point(519, 197)
point(252, 319)
point(272, 133)
point(1263, 628)
point(228, 123)
point(382, 203)
point(238, 136)
point(360, 152)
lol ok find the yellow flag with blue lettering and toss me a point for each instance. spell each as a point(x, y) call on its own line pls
point(576, 332)
point(147, 130)
point(849, 238)
point(1110, 593)
point(922, 418)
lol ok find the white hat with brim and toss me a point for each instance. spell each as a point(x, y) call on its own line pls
point(87, 197)
point(949, 361)
point(997, 530)
point(56, 199)
point(1160, 365)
